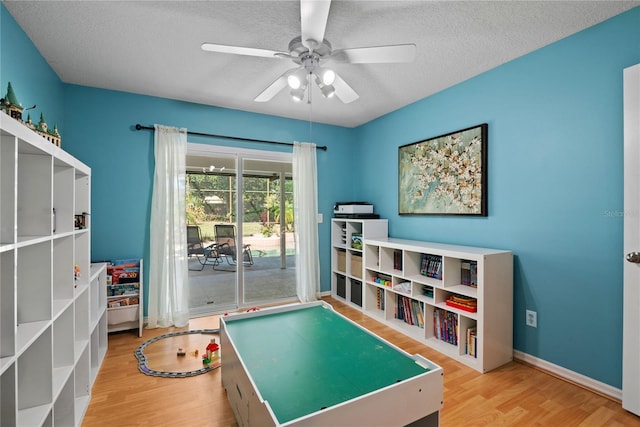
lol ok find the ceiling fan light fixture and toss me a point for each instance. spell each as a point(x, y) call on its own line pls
point(297, 94)
point(297, 79)
point(327, 75)
point(328, 91)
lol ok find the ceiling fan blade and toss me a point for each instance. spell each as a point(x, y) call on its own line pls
point(273, 89)
point(313, 19)
point(344, 92)
point(376, 54)
point(239, 50)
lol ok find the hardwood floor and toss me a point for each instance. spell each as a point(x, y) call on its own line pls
point(513, 395)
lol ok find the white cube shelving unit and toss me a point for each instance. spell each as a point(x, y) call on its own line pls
point(52, 321)
point(346, 257)
point(400, 291)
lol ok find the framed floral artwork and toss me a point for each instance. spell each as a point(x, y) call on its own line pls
point(445, 175)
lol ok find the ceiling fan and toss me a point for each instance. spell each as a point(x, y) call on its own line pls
point(311, 52)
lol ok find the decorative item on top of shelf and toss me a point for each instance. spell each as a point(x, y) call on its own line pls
point(431, 266)
point(356, 241)
point(10, 105)
point(445, 175)
point(80, 221)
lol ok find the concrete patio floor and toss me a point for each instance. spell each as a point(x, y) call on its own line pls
point(213, 290)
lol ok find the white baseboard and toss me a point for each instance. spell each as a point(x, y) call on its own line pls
point(571, 376)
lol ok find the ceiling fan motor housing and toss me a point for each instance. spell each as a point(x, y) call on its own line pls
point(298, 50)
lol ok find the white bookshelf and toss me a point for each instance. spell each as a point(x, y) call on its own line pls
point(45, 309)
point(402, 287)
point(346, 260)
point(128, 316)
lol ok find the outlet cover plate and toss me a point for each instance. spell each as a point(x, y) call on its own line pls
point(531, 318)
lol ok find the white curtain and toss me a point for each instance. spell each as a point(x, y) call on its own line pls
point(305, 206)
point(168, 275)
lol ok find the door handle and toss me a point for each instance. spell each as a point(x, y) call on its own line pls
point(633, 257)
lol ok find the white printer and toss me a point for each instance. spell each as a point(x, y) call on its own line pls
point(353, 210)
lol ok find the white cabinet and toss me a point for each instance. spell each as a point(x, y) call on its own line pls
point(346, 255)
point(124, 295)
point(47, 315)
point(455, 299)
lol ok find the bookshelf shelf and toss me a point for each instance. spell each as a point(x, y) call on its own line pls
point(45, 309)
point(347, 254)
point(428, 295)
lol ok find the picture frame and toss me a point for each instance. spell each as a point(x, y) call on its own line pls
point(444, 175)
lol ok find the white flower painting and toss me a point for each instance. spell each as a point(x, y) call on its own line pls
point(445, 175)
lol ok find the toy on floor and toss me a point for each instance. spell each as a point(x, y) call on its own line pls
point(145, 369)
point(212, 352)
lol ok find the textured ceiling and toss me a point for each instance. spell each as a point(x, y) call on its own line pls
point(153, 47)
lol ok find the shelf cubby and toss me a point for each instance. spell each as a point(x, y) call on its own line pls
point(34, 296)
point(35, 381)
point(82, 319)
point(81, 256)
point(8, 393)
point(82, 381)
point(7, 306)
point(374, 298)
point(62, 276)
point(63, 350)
point(8, 156)
point(63, 409)
point(63, 195)
point(34, 208)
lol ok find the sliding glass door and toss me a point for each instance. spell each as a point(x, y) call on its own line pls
point(268, 231)
point(248, 255)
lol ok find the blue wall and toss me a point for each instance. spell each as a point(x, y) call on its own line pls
point(100, 133)
point(33, 80)
point(555, 173)
point(555, 186)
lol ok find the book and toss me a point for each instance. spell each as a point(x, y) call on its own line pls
point(469, 273)
point(431, 266)
point(462, 302)
point(397, 260)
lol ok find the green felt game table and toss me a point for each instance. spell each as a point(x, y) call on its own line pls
point(307, 365)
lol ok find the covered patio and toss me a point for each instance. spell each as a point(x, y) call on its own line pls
point(270, 278)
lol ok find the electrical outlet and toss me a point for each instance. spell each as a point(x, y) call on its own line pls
point(532, 318)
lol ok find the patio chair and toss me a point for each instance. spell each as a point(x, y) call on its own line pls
point(206, 255)
point(226, 245)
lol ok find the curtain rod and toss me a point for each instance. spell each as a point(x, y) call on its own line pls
point(235, 138)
